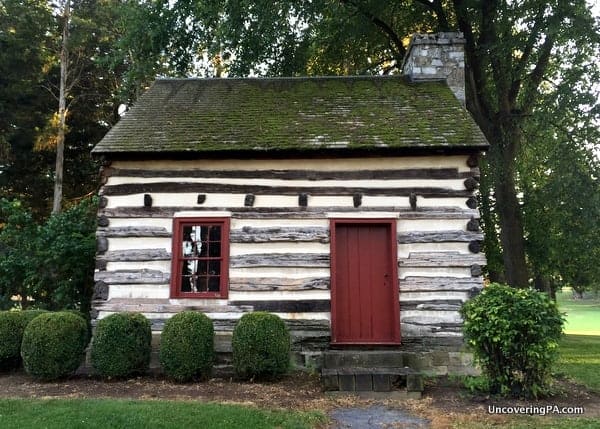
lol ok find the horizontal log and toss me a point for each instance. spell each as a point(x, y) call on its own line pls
point(409, 173)
point(410, 331)
point(191, 187)
point(133, 231)
point(100, 291)
point(471, 183)
point(291, 213)
point(307, 326)
point(476, 270)
point(135, 255)
point(475, 246)
point(432, 321)
point(438, 237)
point(441, 259)
point(290, 306)
point(471, 202)
point(164, 306)
point(101, 245)
point(437, 284)
point(280, 260)
point(473, 160)
point(266, 235)
point(277, 284)
point(143, 276)
point(434, 304)
point(473, 225)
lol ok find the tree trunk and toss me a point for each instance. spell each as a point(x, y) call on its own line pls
point(62, 112)
point(543, 284)
point(503, 151)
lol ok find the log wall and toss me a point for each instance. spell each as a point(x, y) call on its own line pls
point(279, 238)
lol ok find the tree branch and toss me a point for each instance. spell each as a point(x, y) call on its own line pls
point(527, 51)
point(476, 77)
point(537, 74)
point(384, 27)
point(489, 41)
point(438, 9)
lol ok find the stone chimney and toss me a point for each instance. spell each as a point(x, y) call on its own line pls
point(435, 57)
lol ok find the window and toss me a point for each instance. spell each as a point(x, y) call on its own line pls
point(200, 258)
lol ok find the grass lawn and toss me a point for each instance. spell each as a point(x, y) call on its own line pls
point(580, 359)
point(583, 315)
point(580, 348)
point(108, 413)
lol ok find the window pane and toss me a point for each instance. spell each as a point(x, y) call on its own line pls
point(214, 249)
point(190, 266)
point(215, 233)
point(213, 283)
point(186, 283)
point(202, 267)
point(214, 267)
point(203, 233)
point(201, 284)
point(192, 246)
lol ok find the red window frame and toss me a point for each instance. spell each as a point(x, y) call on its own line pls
point(178, 258)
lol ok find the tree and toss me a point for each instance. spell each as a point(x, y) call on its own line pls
point(62, 107)
point(26, 29)
point(48, 265)
point(29, 94)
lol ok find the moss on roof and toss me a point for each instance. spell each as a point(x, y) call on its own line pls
point(222, 115)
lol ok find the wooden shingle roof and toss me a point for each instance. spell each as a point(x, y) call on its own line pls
point(292, 114)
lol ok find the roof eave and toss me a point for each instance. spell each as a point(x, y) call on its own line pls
point(292, 153)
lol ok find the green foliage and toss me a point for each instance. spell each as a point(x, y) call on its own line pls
point(51, 263)
point(561, 212)
point(88, 322)
point(514, 334)
point(261, 346)
point(12, 326)
point(121, 345)
point(31, 314)
point(29, 38)
point(53, 345)
point(187, 346)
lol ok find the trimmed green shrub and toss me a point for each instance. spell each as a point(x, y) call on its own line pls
point(261, 346)
point(29, 315)
point(121, 345)
point(53, 345)
point(514, 334)
point(88, 323)
point(187, 346)
point(12, 326)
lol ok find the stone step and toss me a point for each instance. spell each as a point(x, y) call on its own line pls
point(362, 370)
point(371, 380)
point(365, 359)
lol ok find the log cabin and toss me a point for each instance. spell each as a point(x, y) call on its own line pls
point(345, 205)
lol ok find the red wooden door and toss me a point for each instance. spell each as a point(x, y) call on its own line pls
point(364, 285)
